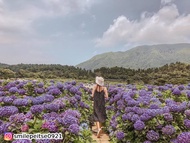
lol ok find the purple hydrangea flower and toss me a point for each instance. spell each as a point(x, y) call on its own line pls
point(131, 93)
point(48, 97)
point(124, 117)
point(138, 110)
point(73, 100)
point(168, 130)
point(111, 101)
point(154, 106)
point(152, 135)
point(3, 127)
point(7, 100)
point(184, 137)
point(174, 107)
point(68, 86)
point(50, 116)
point(52, 107)
point(69, 120)
point(120, 135)
point(60, 102)
point(132, 102)
point(187, 123)
point(29, 115)
point(109, 107)
point(82, 104)
point(17, 118)
point(54, 91)
point(181, 87)
point(74, 113)
point(50, 125)
point(150, 88)
point(2, 93)
point(7, 111)
point(120, 102)
point(59, 85)
point(129, 115)
point(153, 112)
point(176, 91)
point(78, 97)
point(74, 128)
point(165, 109)
point(80, 93)
point(39, 90)
point(113, 124)
point(36, 109)
point(188, 93)
point(21, 102)
point(182, 106)
point(40, 85)
point(139, 125)
point(168, 117)
point(20, 85)
point(22, 141)
point(117, 97)
point(22, 91)
point(145, 117)
point(135, 117)
point(13, 90)
point(73, 90)
point(10, 84)
point(187, 113)
point(128, 109)
point(142, 92)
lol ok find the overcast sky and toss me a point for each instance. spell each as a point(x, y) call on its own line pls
point(69, 32)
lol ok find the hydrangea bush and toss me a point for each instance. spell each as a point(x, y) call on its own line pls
point(52, 107)
point(149, 114)
point(136, 114)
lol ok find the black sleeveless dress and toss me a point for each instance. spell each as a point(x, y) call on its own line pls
point(99, 107)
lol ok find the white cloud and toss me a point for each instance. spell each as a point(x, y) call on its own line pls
point(165, 26)
point(16, 20)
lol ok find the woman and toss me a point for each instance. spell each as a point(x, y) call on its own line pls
point(99, 93)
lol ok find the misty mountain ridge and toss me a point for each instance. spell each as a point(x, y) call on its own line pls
point(143, 57)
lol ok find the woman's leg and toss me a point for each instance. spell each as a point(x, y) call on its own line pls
point(99, 129)
point(98, 125)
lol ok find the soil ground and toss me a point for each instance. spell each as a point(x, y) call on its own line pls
point(104, 138)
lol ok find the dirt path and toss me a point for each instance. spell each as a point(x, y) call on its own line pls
point(103, 139)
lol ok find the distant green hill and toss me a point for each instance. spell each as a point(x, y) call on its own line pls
point(142, 57)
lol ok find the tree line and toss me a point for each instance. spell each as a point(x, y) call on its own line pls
point(175, 73)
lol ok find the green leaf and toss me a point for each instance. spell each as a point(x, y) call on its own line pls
point(30, 123)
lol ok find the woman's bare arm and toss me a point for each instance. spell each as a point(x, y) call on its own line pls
point(93, 90)
point(106, 92)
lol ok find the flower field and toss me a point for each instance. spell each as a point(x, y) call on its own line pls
point(35, 107)
point(136, 114)
point(149, 114)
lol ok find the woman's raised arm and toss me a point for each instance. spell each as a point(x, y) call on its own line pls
point(106, 92)
point(93, 90)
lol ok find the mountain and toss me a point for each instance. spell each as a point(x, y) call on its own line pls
point(143, 57)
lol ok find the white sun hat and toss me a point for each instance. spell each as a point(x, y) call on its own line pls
point(100, 81)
